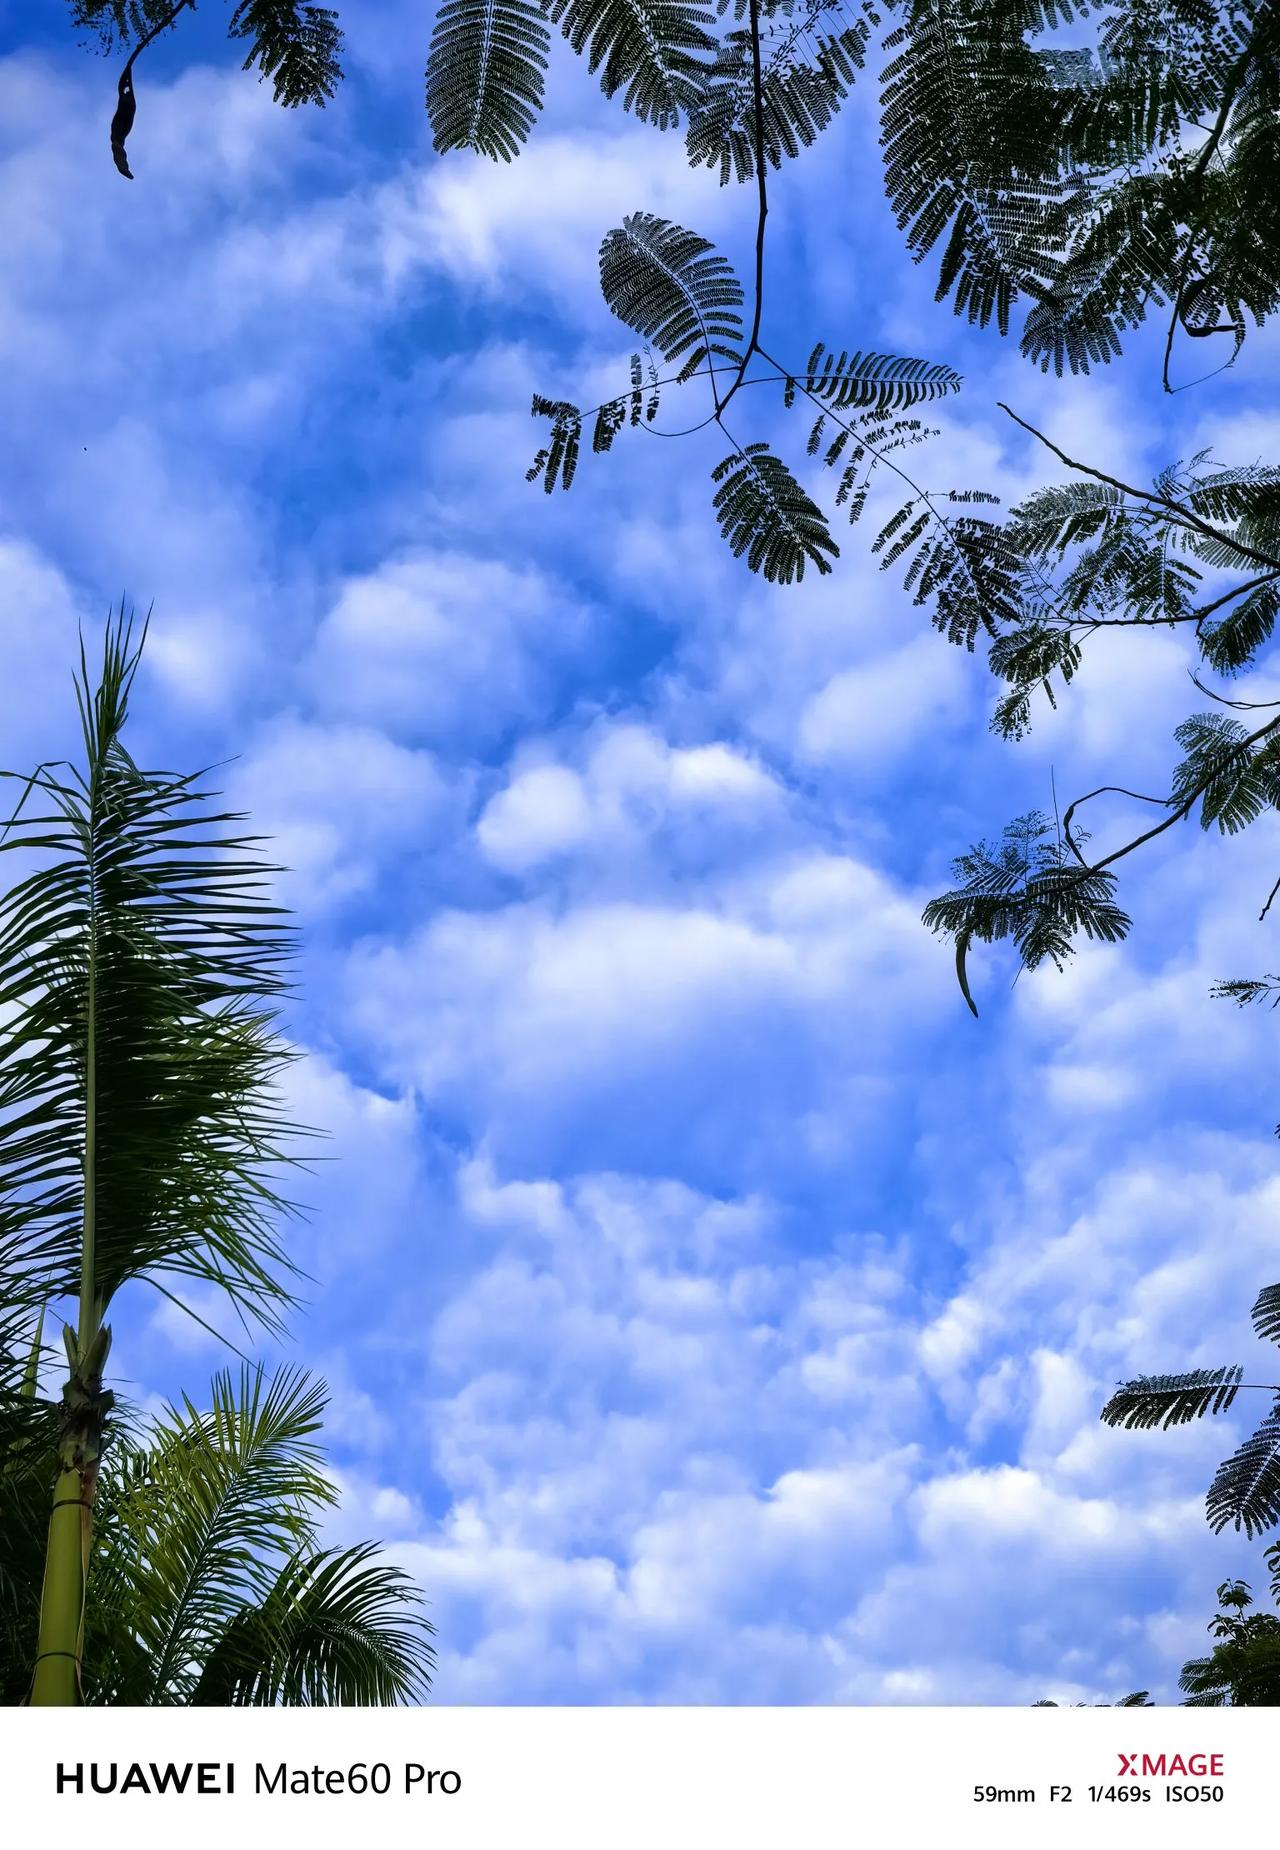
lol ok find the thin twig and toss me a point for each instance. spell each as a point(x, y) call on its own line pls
point(1182, 514)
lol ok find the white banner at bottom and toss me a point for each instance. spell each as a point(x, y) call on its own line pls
point(652, 1779)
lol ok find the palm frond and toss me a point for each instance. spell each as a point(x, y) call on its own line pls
point(485, 75)
point(766, 515)
point(337, 1627)
point(195, 1521)
point(139, 962)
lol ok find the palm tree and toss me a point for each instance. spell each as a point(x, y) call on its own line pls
point(141, 1138)
point(207, 1582)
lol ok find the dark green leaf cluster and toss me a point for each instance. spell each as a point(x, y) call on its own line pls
point(1243, 1669)
point(485, 75)
point(295, 45)
point(118, 23)
point(767, 517)
point(654, 52)
point(674, 288)
point(1234, 778)
point(806, 74)
point(1029, 889)
point(1172, 1400)
point(1245, 1492)
point(1080, 556)
point(1097, 181)
point(964, 108)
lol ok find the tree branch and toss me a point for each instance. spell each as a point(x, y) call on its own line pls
point(1180, 513)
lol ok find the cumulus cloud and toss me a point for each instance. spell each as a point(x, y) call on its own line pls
point(337, 802)
point(631, 784)
point(714, 1311)
point(446, 647)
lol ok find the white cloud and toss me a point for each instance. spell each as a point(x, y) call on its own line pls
point(337, 802)
point(865, 715)
point(631, 783)
point(445, 647)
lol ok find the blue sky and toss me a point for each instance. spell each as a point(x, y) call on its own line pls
point(715, 1311)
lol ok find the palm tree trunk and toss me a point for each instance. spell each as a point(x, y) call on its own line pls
point(60, 1641)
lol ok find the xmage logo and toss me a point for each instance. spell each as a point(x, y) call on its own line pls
point(1170, 1766)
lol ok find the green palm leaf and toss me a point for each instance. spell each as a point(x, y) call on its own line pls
point(485, 75)
point(139, 1131)
point(192, 1522)
point(337, 1627)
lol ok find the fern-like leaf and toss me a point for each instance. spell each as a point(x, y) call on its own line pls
point(295, 45)
point(884, 380)
point(557, 460)
point(1231, 644)
point(765, 514)
point(671, 286)
point(1172, 1400)
point(1266, 1314)
point(484, 75)
point(1030, 890)
point(654, 51)
point(1234, 782)
point(801, 94)
point(1245, 1493)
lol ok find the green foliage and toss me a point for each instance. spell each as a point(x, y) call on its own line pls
point(207, 1582)
point(1245, 1492)
point(672, 287)
point(1232, 643)
point(964, 109)
point(1243, 1669)
point(485, 75)
point(806, 74)
point(28, 1436)
point(1172, 1400)
point(1029, 889)
point(881, 380)
point(140, 962)
point(1266, 1314)
point(652, 51)
point(557, 460)
point(295, 45)
point(118, 23)
point(1234, 778)
point(766, 515)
